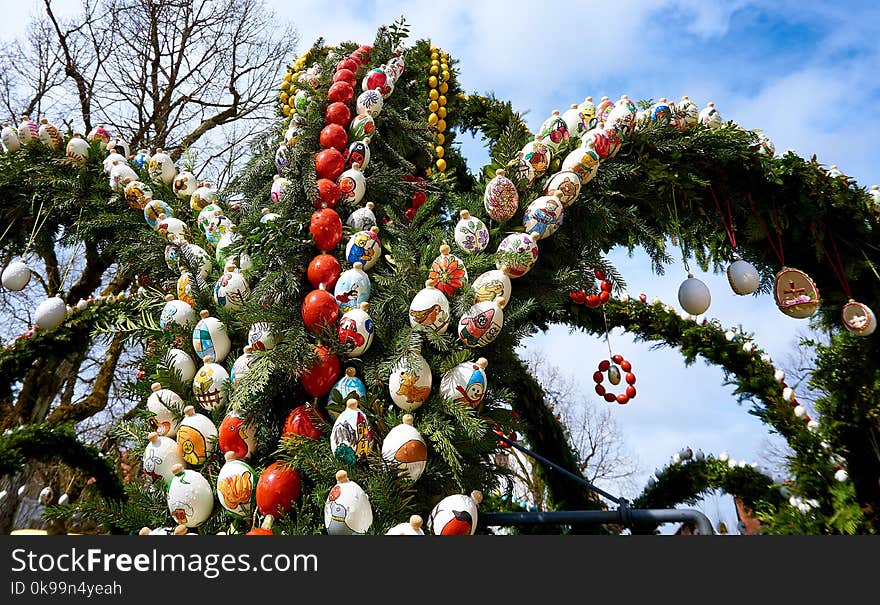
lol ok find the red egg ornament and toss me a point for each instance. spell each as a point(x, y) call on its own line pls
point(277, 489)
point(334, 136)
point(234, 436)
point(260, 531)
point(418, 198)
point(337, 113)
point(376, 79)
point(345, 75)
point(349, 64)
point(323, 271)
point(319, 309)
point(329, 164)
point(328, 194)
point(302, 421)
point(340, 92)
point(326, 228)
point(320, 378)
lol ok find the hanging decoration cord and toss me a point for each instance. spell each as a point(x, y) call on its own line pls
point(727, 221)
point(684, 259)
point(607, 335)
point(836, 261)
point(776, 246)
point(73, 253)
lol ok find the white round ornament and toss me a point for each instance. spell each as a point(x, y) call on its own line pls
point(482, 323)
point(242, 364)
point(471, 233)
point(267, 217)
point(352, 288)
point(50, 313)
point(9, 137)
point(49, 135)
point(210, 337)
point(572, 118)
point(77, 149)
point(165, 406)
point(176, 312)
point(430, 309)
point(405, 448)
point(209, 385)
point(15, 276)
point(112, 158)
point(260, 336)
point(364, 247)
point(765, 145)
point(279, 186)
point(491, 285)
point(352, 185)
point(519, 243)
point(694, 296)
point(203, 196)
point(710, 117)
point(356, 329)
point(351, 439)
point(46, 495)
point(841, 475)
point(185, 184)
point(567, 183)
point(743, 277)
point(120, 175)
point(370, 102)
point(154, 210)
point(140, 159)
point(362, 219)
point(28, 130)
point(237, 487)
point(231, 290)
point(196, 258)
point(180, 360)
point(554, 130)
point(413, 527)
point(190, 497)
point(410, 382)
point(448, 272)
point(584, 162)
point(875, 197)
point(185, 287)
point(362, 126)
point(172, 228)
point(63, 499)
point(196, 436)
point(623, 118)
point(466, 383)
point(536, 156)
point(544, 215)
point(160, 454)
point(347, 510)
point(118, 144)
point(455, 515)
point(687, 114)
point(138, 194)
point(161, 167)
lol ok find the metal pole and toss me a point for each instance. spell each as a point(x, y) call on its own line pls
point(629, 517)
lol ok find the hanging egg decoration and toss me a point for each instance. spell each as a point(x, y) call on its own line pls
point(554, 130)
point(29, 131)
point(185, 287)
point(190, 497)
point(50, 313)
point(351, 439)
point(599, 141)
point(237, 436)
point(210, 338)
point(482, 323)
point(172, 228)
point(282, 158)
point(120, 175)
point(622, 118)
point(362, 219)
point(319, 311)
point(324, 270)
point(182, 363)
point(303, 420)
point(471, 233)
point(138, 194)
point(49, 135)
point(858, 318)
point(795, 293)
point(410, 382)
point(523, 174)
point(589, 117)
point(413, 527)
point(356, 329)
point(277, 490)
point(492, 285)
point(118, 144)
point(16, 276)
point(154, 210)
point(544, 215)
point(352, 185)
point(260, 336)
point(362, 126)
point(10, 139)
point(161, 167)
point(573, 122)
point(466, 383)
point(203, 196)
point(358, 153)
point(196, 436)
point(660, 111)
point(322, 375)
point(613, 368)
point(77, 149)
point(567, 184)
point(743, 277)
point(279, 185)
point(348, 387)
point(141, 159)
point(165, 407)
point(195, 257)
point(268, 216)
point(430, 309)
point(875, 197)
point(687, 114)
point(694, 296)
point(603, 109)
point(370, 102)
point(352, 288)
point(455, 515)
point(206, 214)
point(710, 117)
point(536, 155)
point(236, 486)
point(405, 448)
point(160, 455)
point(347, 510)
point(521, 244)
point(448, 272)
point(217, 227)
point(583, 161)
point(500, 197)
point(176, 312)
point(185, 184)
point(111, 160)
point(765, 145)
point(242, 365)
point(326, 228)
point(231, 291)
point(364, 247)
point(209, 385)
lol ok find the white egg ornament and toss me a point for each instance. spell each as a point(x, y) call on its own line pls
point(161, 167)
point(687, 114)
point(15, 276)
point(237, 487)
point(347, 510)
point(195, 258)
point(520, 243)
point(404, 447)
point(279, 186)
point(352, 438)
point(179, 360)
point(455, 515)
point(544, 215)
point(203, 196)
point(567, 183)
point(176, 312)
point(572, 118)
point(710, 117)
point(190, 497)
point(50, 313)
point(138, 194)
point(160, 455)
point(196, 436)
point(352, 288)
point(165, 406)
point(370, 102)
point(260, 336)
point(172, 228)
point(413, 527)
point(77, 149)
point(694, 296)
point(9, 137)
point(352, 185)
point(358, 153)
point(364, 247)
point(584, 162)
point(482, 323)
point(500, 197)
point(466, 383)
point(743, 277)
point(356, 329)
point(347, 387)
point(29, 131)
point(49, 135)
point(535, 158)
point(210, 338)
point(410, 382)
point(209, 385)
point(154, 210)
point(185, 184)
point(471, 233)
point(554, 130)
point(120, 175)
point(362, 219)
point(491, 285)
point(430, 309)
point(231, 291)
point(242, 364)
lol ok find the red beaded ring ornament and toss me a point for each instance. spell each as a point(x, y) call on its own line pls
point(611, 367)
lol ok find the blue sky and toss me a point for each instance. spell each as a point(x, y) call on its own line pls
point(804, 72)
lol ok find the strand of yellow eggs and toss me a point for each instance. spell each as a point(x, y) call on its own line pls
point(287, 97)
point(438, 81)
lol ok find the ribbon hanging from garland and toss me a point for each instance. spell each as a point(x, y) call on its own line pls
point(777, 245)
point(836, 261)
point(726, 220)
